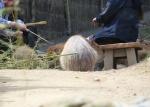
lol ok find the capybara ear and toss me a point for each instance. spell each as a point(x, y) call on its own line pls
point(78, 55)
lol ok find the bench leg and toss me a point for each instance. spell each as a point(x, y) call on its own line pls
point(108, 60)
point(131, 56)
point(137, 56)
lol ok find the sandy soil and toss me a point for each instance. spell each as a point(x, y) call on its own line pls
point(32, 88)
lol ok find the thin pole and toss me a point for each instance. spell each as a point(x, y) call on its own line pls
point(28, 30)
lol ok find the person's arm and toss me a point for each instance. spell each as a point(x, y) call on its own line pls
point(13, 24)
point(112, 7)
point(4, 21)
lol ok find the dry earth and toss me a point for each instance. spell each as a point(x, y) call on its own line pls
point(32, 88)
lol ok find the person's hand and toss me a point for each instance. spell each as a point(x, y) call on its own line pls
point(94, 22)
point(20, 26)
point(12, 24)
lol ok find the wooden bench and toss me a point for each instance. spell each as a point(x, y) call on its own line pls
point(120, 50)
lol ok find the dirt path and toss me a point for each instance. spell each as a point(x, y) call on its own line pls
point(31, 88)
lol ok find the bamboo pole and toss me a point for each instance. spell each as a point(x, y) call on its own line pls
point(36, 23)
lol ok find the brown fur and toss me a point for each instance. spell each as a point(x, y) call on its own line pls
point(57, 49)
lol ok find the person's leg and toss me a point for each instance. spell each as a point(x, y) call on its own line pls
point(90, 38)
point(2, 40)
point(30, 39)
point(25, 37)
point(104, 40)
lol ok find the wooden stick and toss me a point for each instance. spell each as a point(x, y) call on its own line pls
point(36, 23)
point(38, 36)
point(4, 26)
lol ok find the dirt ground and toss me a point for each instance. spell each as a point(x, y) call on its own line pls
point(32, 88)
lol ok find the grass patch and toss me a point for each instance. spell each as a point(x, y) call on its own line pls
point(23, 57)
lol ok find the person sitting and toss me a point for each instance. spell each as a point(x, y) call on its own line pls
point(7, 19)
point(120, 21)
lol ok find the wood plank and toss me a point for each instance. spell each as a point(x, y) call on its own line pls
point(131, 56)
point(120, 53)
point(108, 59)
point(121, 45)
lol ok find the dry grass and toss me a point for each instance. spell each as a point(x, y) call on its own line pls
point(23, 57)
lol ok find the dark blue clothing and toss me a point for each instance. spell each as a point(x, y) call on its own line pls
point(120, 19)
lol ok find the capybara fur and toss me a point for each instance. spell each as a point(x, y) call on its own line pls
point(78, 55)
